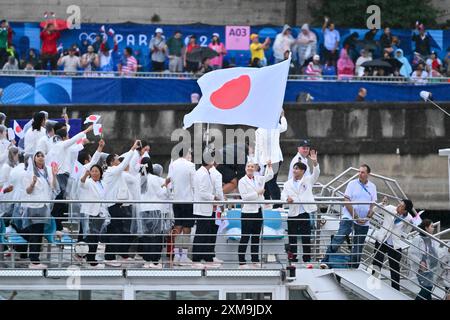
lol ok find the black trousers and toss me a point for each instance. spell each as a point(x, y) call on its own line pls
point(3, 57)
point(117, 238)
point(157, 66)
point(297, 226)
point(52, 58)
point(394, 255)
point(92, 241)
point(250, 230)
point(328, 55)
point(272, 190)
point(33, 234)
point(150, 248)
point(60, 208)
point(205, 239)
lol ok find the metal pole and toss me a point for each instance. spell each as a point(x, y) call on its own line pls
point(440, 108)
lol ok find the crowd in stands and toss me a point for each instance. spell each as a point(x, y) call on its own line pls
point(342, 58)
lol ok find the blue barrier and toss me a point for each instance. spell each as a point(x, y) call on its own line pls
point(59, 90)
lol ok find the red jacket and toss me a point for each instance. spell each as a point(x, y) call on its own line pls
point(49, 42)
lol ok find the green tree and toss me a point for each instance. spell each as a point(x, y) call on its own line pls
point(394, 13)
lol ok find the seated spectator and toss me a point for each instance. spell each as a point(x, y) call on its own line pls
point(129, 65)
point(362, 93)
point(29, 67)
point(217, 46)
point(364, 57)
point(434, 62)
point(420, 76)
point(447, 62)
point(70, 62)
point(283, 42)
point(306, 45)
point(257, 50)
point(255, 63)
point(158, 49)
point(329, 69)
point(189, 65)
point(314, 69)
point(386, 41)
point(90, 60)
point(346, 67)
point(11, 65)
point(206, 66)
point(33, 59)
point(405, 69)
point(432, 73)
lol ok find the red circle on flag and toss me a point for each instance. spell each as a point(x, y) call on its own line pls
point(92, 118)
point(232, 93)
point(18, 129)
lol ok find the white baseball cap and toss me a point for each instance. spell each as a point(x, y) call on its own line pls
point(159, 30)
point(215, 34)
point(316, 57)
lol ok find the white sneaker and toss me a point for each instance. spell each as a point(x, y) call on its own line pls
point(246, 266)
point(256, 265)
point(198, 265)
point(150, 265)
point(185, 261)
point(138, 257)
point(113, 263)
point(126, 261)
point(37, 266)
point(212, 265)
point(176, 260)
point(217, 260)
point(97, 266)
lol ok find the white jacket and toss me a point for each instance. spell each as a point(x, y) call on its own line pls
point(216, 177)
point(302, 194)
point(155, 191)
point(61, 152)
point(115, 186)
point(395, 230)
point(203, 191)
point(31, 140)
point(248, 190)
point(267, 143)
point(90, 191)
point(41, 191)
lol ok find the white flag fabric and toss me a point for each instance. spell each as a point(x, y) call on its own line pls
point(98, 129)
point(92, 119)
point(18, 130)
point(11, 135)
point(248, 96)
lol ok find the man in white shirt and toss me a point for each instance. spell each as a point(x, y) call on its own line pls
point(303, 149)
point(299, 189)
point(206, 228)
point(267, 147)
point(355, 217)
point(45, 143)
point(116, 189)
point(71, 62)
point(181, 176)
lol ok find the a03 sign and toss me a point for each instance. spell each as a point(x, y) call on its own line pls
point(237, 37)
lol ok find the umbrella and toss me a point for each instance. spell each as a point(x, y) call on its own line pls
point(60, 24)
point(396, 64)
point(377, 63)
point(198, 54)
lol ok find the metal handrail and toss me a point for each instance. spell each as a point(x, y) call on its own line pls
point(194, 76)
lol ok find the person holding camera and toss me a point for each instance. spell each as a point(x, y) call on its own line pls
point(49, 51)
point(90, 60)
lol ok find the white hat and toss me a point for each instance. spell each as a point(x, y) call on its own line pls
point(316, 57)
point(159, 30)
point(215, 34)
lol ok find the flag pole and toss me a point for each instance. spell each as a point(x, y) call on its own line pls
point(207, 134)
point(436, 105)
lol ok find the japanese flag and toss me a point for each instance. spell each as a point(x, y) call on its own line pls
point(92, 119)
point(18, 130)
point(98, 129)
point(248, 96)
point(78, 170)
point(11, 135)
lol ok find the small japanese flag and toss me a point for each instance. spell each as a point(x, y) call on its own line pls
point(18, 130)
point(92, 119)
point(98, 129)
point(77, 171)
point(11, 135)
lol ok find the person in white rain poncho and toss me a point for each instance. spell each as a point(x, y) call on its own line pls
point(40, 184)
point(153, 219)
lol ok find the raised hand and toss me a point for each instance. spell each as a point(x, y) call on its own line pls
point(313, 155)
point(89, 129)
point(101, 144)
point(55, 169)
point(136, 145)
